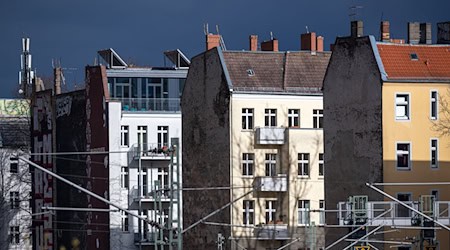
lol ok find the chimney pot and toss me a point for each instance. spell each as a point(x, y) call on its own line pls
point(413, 32)
point(384, 29)
point(308, 41)
point(425, 33)
point(253, 42)
point(212, 41)
point(357, 28)
point(320, 43)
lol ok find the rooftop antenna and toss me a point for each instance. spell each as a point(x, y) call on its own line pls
point(217, 29)
point(26, 75)
point(271, 35)
point(307, 30)
point(353, 11)
point(205, 29)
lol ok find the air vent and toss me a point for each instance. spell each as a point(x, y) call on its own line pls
point(250, 72)
point(414, 56)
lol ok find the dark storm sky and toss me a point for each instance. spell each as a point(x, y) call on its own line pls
point(140, 30)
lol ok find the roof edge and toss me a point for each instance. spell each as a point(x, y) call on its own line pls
point(225, 69)
point(376, 53)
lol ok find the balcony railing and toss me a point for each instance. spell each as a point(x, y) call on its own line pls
point(149, 104)
point(271, 183)
point(163, 193)
point(270, 135)
point(150, 151)
point(271, 232)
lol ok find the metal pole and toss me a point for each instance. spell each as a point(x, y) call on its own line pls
point(80, 209)
point(288, 244)
point(365, 236)
point(411, 184)
point(152, 223)
point(345, 236)
point(218, 210)
point(409, 207)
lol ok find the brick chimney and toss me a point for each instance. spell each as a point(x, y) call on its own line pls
point(413, 32)
point(271, 45)
point(212, 41)
point(425, 33)
point(308, 41)
point(384, 30)
point(57, 72)
point(356, 28)
point(253, 39)
point(320, 44)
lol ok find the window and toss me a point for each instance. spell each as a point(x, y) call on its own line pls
point(434, 105)
point(124, 180)
point(124, 139)
point(271, 164)
point(13, 164)
point(403, 156)
point(124, 221)
point(163, 136)
point(249, 212)
point(294, 118)
point(142, 137)
point(321, 167)
point(163, 178)
point(303, 164)
point(247, 164)
point(303, 212)
point(270, 118)
point(435, 193)
point(14, 199)
point(271, 209)
point(317, 118)
point(14, 235)
point(434, 153)
point(401, 210)
point(322, 212)
point(247, 118)
point(402, 107)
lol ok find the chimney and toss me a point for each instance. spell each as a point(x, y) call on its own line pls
point(384, 29)
point(320, 44)
point(357, 28)
point(425, 33)
point(271, 45)
point(308, 41)
point(212, 41)
point(57, 74)
point(413, 32)
point(253, 42)
point(443, 33)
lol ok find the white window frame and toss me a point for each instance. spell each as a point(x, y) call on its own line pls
point(270, 114)
point(434, 149)
point(164, 182)
point(399, 208)
point(406, 104)
point(13, 165)
point(14, 232)
point(124, 136)
point(409, 156)
point(142, 135)
point(124, 177)
point(271, 211)
point(14, 199)
point(271, 164)
point(434, 102)
point(304, 207)
point(163, 136)
point(317, 118)
point(303, 164)
point(248, 164)
point(248, 211)
point(124, 222)
point(321, 164)
point(247, 119)
point(294, 118)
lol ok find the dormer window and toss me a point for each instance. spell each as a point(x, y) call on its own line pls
point(414, 56)
point(250, 72)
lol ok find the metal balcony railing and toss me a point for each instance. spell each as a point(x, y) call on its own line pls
point(164, 193)
point(150, 151)
point(271, 183)
point(149, 104)
point(271, 232)
point(270, 135)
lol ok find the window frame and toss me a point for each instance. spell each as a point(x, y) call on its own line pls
point(162, 136)
point(248, 211)
point(434, 149)
point(294, 118)
point(14, 165)
point(270, 117)
point(270, 164)
point(321, 212)
point(434, 102)
point(124, 222)
point(303, 164)
point(409, 168)
point(406, 103)
point(14, 199)
point(14, 233)
point(271, 211)
point(248, 164)
point(304, 207)
point(124, 136)
point(318, 118)
point(321, 164)
point(124, 177)
point(247, 118)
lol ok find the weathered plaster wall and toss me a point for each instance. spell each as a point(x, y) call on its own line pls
point(206, 149)
point(352, 126)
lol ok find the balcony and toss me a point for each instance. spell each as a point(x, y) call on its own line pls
point(270, 136)
point(149, 104)
point(271, 183)
point(150, 151)
point(271, 232)
point(150, 196)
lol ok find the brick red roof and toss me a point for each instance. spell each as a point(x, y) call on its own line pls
point(432, 63)
point(276, 71)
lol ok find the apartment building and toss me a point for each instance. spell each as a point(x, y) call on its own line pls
point(144, 118)
point(385, 108)
point(253, 140)
point(15, 188)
